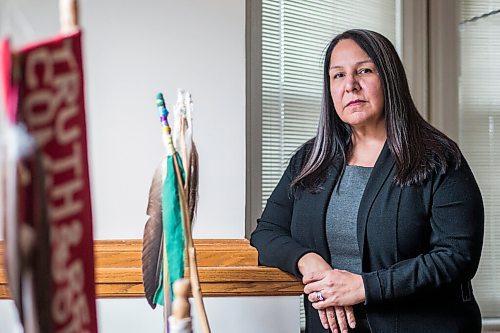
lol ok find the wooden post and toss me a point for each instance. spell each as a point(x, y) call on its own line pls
point(68, 16)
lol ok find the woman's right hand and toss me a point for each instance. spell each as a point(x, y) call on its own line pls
point(336, 318)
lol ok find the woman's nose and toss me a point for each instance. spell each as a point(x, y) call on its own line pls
point(351, 83)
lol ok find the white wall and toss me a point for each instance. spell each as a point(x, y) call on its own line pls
point(132, 53)
point(132, 50)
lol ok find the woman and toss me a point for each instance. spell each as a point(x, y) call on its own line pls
point(379, 214)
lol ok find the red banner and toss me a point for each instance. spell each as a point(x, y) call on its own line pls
point(51, 105)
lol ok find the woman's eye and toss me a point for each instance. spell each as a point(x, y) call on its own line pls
point(365, 71)
point(337, 75)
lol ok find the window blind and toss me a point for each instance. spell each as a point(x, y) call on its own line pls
point(479, 132)
point(295, 35)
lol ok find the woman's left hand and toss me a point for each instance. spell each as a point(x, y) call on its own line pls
point(338, 288)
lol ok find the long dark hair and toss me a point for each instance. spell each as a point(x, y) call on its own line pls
point(418, 147)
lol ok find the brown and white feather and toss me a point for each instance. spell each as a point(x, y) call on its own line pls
point(152, 241)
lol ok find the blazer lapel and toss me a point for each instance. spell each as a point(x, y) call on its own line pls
point(381, 171)
point(318, 205)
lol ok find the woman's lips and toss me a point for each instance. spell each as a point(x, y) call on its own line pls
point(355, 102)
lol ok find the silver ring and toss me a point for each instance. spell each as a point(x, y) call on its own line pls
point(319, 297)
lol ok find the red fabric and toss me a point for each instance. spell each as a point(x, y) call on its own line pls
point(5, 68)
point(51, 105)
point(5, 77)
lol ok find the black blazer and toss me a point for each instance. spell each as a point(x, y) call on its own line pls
point(420, 245)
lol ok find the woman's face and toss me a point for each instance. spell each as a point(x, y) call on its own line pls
point(355, 86)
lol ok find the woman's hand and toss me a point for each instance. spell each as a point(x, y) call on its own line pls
point(311, 264)
point(336, 318)
point(337, 287)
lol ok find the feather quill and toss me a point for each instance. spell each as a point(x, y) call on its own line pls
point(152, 243)
point(183, 141)
point(193, 183)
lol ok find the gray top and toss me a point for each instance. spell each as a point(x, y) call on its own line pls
point(341, 218)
